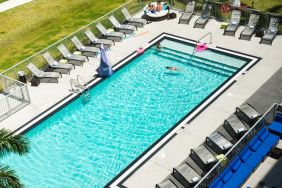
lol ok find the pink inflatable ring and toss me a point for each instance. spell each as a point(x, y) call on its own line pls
point(201, 47)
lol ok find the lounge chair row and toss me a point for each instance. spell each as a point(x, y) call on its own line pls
point(233, 25)
point(243, 165)
point(87, 51)
point(189, 12)
point(205, 156)
point(251, 27)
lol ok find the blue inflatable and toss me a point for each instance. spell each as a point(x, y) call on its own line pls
point(105, 69)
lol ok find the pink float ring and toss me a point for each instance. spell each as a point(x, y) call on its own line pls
point(201, 47)
point(140, 50)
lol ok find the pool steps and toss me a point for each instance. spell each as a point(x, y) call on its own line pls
point(226, 66)
point(206, 65)
point(200, 62)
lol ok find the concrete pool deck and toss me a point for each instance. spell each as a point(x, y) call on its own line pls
point(173, 153)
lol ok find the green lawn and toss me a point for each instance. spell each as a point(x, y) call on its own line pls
point(32, 27)
point(1, 1)
point(274, 6)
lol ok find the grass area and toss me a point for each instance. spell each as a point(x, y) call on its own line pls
point(1, 1)
point(32, 27)
point(273, 6)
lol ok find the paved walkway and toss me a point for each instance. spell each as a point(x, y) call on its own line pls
point(12, 4)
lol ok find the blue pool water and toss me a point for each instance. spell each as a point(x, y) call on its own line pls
point(86, 145)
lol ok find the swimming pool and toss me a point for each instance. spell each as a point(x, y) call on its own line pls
point(87, 145)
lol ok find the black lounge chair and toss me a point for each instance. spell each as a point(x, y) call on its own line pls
point(194, 165)
point(47, 77)
point(204, 157)
point(138, 22)
point(235, 127)
point(126, 29)
point(218, 143)
point(204, 18)
point(248, 114)
point(170, 182)
point(234, 23)
point(271, 32)
point(57, 66)
point(188, 13)
point(250, 29)
point(72, 58)
point(98, 42)
point(87, 51)
point(115, 36)
point(186, 175)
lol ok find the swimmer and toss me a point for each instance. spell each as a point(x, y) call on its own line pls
point(159, 46)
point(173, 68)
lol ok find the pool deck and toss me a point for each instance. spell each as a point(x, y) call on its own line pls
point(46, 95)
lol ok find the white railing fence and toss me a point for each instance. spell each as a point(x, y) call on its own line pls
point(14, 96)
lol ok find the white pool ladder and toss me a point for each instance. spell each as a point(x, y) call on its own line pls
point(78, 85)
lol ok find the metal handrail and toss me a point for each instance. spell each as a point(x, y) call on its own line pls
point(235, 145)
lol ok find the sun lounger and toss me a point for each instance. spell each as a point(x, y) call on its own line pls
point(187, 15)
point(138, 22)
point(234, 23)
point(186, 175)
point(203, 157)
point(170, 182)
point(235, 127)
point(248, 114)
point(88, 51)
point(72, 58)
point(126, 29)
point(204, 18)
point(56, 66)
point(271, 32)
point(49, 77)
point(218, 143)
point(115, 36)
point(195, 166)
point(98, 42)
point(250, 29)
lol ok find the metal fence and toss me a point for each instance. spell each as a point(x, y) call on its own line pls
point(14, 96)
point(265, 120)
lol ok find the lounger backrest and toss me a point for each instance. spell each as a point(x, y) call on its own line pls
point(114, 21)
point(126, 14)
point(274, 23)
point(206, 10)
point(90, 35)
point(77, 42)
point(34, 69)
point(101, 28)
point(190, 7)
point(64, 51)
point(47, 56)
point(253, 21)
point(236, 15)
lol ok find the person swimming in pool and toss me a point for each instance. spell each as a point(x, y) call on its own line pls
point(173, 68)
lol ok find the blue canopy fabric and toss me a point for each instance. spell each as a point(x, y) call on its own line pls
point(105, 68)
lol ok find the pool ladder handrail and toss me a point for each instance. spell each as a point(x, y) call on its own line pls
point(199, 40)
point(78, 85)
